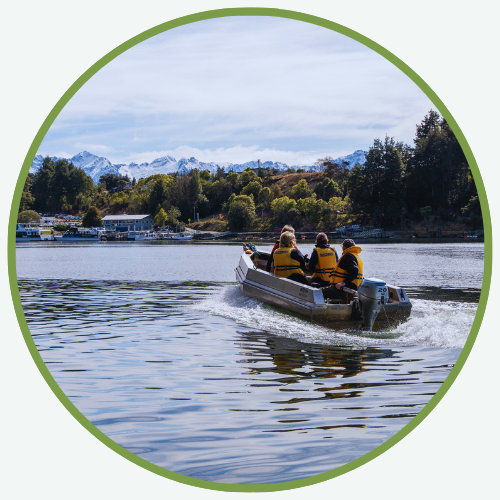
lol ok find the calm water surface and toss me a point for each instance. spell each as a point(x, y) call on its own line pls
point(156, 345)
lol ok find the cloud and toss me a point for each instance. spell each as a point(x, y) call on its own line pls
point(94, 148)
point(236, 154)
point(236, 82)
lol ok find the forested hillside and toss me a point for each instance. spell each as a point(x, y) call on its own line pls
point(399, 187)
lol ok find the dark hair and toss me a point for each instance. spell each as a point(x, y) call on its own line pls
point(322, 238)
point(348, 243)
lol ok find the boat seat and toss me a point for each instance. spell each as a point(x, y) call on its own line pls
point(334, 301)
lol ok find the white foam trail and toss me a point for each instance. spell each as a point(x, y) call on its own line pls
point(438, 324)
point(433, 324)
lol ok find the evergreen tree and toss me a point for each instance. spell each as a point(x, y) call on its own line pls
point(376, 188)
point(92, 218)
point(241, 213)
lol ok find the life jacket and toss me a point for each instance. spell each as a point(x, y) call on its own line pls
point(327, 261)
point(284, 265)
point(339, 274)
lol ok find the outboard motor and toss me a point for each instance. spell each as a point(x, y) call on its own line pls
point(373, 295)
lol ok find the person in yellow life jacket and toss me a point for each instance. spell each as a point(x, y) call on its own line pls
point(288, 261)
point(323, 261)
point(285, 229)
point(347, 273)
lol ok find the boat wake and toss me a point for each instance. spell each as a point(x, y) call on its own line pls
point(431, 324)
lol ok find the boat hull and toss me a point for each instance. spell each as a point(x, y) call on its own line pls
point(309, 301)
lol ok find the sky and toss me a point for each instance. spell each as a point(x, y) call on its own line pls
point(239, 89)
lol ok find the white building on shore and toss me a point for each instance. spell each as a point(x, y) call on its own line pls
point(128, 222)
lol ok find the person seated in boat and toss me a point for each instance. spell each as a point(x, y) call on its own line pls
point(347, 273)
point(288, 261)
point(285, 229)
point(322, 263)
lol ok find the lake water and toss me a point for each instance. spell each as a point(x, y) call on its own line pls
point(156, 345)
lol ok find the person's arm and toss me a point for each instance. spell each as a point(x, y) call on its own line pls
point(295, 254)
point(313, 261)
point(270, 261)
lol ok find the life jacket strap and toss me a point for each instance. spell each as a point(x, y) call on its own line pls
point(285, 267)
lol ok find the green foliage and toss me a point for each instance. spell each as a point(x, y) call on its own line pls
point(28, 216)
point(472, 211)
point(252, 188)
point(158, 190)
point(438, 172)
point(56, 186)
point(112, 181)
point(241, 213)
point(205, 175)
point(160, 218)
point(265, 197)
point(276, 192)
point(281, 207)
point(173, 215)
point(92, 218)
point(331, 189)
point(301, 190)
point(27, 198)
point(377, 188)
point(246, 177)
point(388, 190)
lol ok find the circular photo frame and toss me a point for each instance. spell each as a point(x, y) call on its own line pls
point(350, 362)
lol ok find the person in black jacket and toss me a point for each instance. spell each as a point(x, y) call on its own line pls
point(323, 261)
point(348, 272)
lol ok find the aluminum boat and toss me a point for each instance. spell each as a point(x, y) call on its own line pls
point(375, 301)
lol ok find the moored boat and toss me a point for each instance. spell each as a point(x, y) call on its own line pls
point(142, 235)
point(183, 236)
point(375, 301)
point(26, 232)
point(75, 234)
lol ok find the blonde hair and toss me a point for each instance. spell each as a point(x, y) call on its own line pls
point(287, 240)
point(288, 229)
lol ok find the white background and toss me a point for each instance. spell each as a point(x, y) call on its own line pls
point(47, 45)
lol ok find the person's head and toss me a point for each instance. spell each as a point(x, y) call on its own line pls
point(288, 229)
point(321, 239)
point(348, 244)
point(287, 240)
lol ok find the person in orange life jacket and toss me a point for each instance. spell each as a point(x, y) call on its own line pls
point(347, 273)
point(288, 261)
point(285, 229)
point(322, 263)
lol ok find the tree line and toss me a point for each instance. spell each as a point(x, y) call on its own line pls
point(398, 186)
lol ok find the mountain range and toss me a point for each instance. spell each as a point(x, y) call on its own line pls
point(95, 166)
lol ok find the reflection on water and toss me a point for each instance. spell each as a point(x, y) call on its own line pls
point(200, 380)
point(172, 362)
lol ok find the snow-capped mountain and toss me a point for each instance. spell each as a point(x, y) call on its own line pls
point(353, 159)
point(95, 166)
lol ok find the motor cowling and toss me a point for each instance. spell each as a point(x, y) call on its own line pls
point(373, 294)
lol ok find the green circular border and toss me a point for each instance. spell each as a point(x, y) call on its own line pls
point(212, 14)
